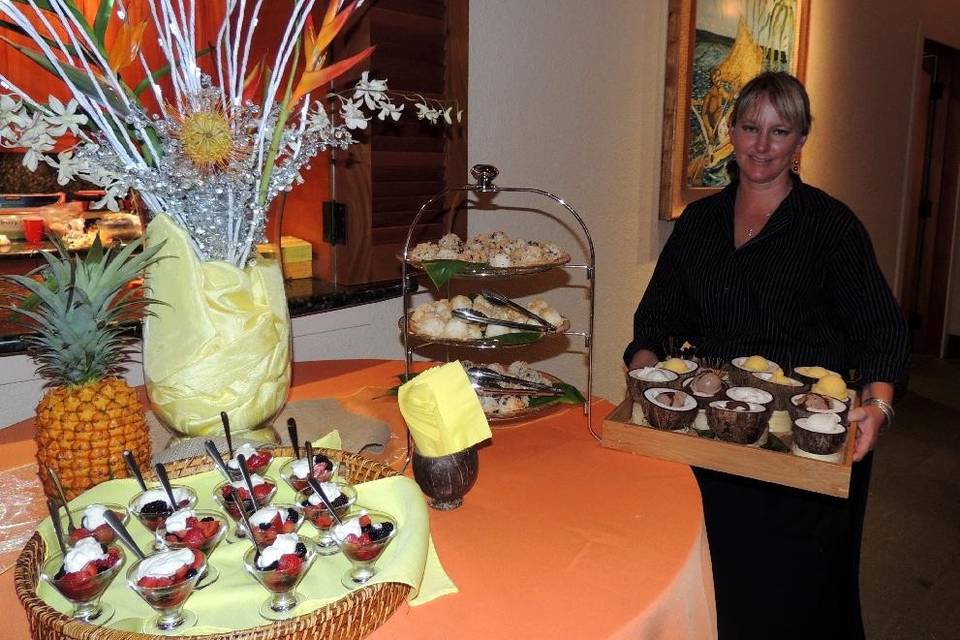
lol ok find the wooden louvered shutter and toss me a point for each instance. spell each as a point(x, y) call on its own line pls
point(421, 47)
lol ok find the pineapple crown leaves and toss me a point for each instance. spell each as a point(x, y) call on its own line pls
point(76, 308)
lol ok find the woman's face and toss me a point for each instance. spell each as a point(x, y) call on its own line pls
point(765, 145)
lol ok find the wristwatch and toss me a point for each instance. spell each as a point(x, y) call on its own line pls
point(885, 407)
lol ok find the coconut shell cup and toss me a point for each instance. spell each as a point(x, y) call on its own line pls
point(740, 377)
point(637, 385)
point(817, 442)
point(797, 410)
point(704, 401)
point(748, 394)
point(668, 418)
point(802, 374)
point(741, 427)
point(781, 392)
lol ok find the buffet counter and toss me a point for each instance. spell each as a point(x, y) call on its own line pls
point(559, 538)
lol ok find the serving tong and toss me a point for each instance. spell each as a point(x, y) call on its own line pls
point(477, 317)
point(487, 382)
point(497, 298)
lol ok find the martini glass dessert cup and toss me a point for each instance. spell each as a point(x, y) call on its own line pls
point(362, 537)
point(270, 521)
point(316, 513)
point(257, 459)
point(281, 579)
point(152, 508)
point(294, 472)
point(84, 588)
point(168, 600)
point(204, 532)
point(90, 523)
point(229, 505)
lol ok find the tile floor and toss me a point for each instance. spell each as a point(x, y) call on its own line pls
point(910, 576)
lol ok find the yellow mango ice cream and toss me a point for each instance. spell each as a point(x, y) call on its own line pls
point(756, 363)
point(674, 364)
point(831, 385)
point(778, 377)
point(812, 372)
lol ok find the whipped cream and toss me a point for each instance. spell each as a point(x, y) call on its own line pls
point(749, 394)
point(246, 450)
point(86, 550)
point(330, 489)
point(266, 516)
point(164, 564)
point(285, 543)
point(301, 468)
point(159, 494)
point(821, 423)
point(255, 480)
point(341, 531)
point(93, 517)
point(653, 374)
point(178, 520)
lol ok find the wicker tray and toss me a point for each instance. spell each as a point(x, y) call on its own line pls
point(350, 618)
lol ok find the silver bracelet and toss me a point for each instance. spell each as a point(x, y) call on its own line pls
point(885, 407)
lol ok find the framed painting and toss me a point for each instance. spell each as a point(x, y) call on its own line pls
point(713, 48)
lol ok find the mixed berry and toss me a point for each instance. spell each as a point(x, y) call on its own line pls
point(93, 525)
point(262, 492)
point(269, 522)
point(369, 543)
point(168, 569)
point(323, 469)
point(79, 578)
point(316, 511)
point(185, 529)
point(256, 459)
point(153, 507)
point(282, 563)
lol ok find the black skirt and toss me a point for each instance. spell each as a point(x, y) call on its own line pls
point(786, 562)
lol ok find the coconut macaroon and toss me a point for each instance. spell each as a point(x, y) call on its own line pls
point(741, 369)
point(435, 319)
point(779, 385)
point(820, 433)
point(737, 421)
point(668, 409)
point(639, 380)
point(496, 249)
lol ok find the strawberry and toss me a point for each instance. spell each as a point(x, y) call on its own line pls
point(209, 526)
point(104, 534)
point(290, 564)
point(193, 538)
point(79, 534)
point(365, 521)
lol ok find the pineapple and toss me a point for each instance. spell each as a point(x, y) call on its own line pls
point(89, 415)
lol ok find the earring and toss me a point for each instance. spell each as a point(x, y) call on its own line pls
point(796, 164)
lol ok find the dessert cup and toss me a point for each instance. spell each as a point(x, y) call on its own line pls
point(83, 593)
point(821, 435)
point(740, 375)
point(320, 518)
point(753, 395)
point(639, 380)
point(667, 417)
point(152, 508)
point(324, 470)
point(282, 584)
point(206, 544)
point(256, 458)
point(266, 532)
point(229, 505)
point(365, 549)
point(102, 533)
point(743, 425)
point(168, 601)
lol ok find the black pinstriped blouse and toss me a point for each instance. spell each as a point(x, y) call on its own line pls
point(805, 291)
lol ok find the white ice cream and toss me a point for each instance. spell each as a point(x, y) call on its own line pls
point(86, 550)
point(246, 450)
point(159, 494)
point(749, 394)
point(284, 544)
point(821, 423)
point(653, 374)
point(178, 520)
point(164, 564)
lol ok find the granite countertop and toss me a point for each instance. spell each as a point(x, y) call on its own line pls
point(304, 297)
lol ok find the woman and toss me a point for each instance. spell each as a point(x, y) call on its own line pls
point(774, 267)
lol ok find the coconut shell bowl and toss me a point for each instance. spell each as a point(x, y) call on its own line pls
point(446, 479)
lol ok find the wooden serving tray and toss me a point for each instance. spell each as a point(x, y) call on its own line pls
point(829, 478)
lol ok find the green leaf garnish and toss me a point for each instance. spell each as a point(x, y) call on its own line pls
point(441, 271)
point(705, 433)
point(774, 443)
point(521, 337)
point(571, 395)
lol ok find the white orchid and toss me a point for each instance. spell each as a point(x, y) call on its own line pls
point(388, 109)
point(373, 92)
point(66, 165)
point(64, 117)
point(11, 117)
point(36, 139)
point(352, 115)
point(425, 111)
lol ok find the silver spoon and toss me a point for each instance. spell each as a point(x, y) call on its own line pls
point(217, 459)
point(247, 478)
point(161, 472)
point(294, 437)
point(497, 298)
point(63, 498)
point(323, 496)
point(471, 315)
point(226, 433)
point(122, 534)
point(57, 529)
point(246, 521)
point(134, 468)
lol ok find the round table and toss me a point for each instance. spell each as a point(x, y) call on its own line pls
point(560, 538)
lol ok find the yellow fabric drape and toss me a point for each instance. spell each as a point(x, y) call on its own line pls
point(221, 341)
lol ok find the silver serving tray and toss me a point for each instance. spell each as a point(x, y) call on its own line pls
point(477, 270)
point(482, 343)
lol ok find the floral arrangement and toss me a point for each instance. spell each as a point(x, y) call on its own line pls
point(218, 146)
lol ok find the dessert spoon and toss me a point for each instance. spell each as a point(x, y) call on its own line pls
point(246, 520)
point(499, 299)
point(294, 436)
point(161, 472)
point(134, 468)
point(247, 478)
point(63, 498)
point(323, 496)
point(122, 534)
point(472, 315)
point(55, 520)
point(226, 432)
point(217, 460)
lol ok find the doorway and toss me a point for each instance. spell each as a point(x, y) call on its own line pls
point(932, 308)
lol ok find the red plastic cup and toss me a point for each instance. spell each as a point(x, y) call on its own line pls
point(33, 229)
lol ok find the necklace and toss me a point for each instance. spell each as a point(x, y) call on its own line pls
point(751, 231)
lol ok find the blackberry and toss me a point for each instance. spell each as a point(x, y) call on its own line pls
point(60, 574)
point(301, 549)
point(270, 567)
point(381, 532)
point(157, 507)
point(293, 515)
point(264, 526)
point(101, 568)
point(341, 501)
point(207, 519)
point(322, 459)
point(190, 573)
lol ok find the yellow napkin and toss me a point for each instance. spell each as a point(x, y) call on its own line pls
point(220, 343)
point(443, 411)
point(232, 601)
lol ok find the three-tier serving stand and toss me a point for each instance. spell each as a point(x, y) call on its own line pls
point(484, 174)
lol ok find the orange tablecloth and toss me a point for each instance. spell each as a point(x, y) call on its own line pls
point(559, 538)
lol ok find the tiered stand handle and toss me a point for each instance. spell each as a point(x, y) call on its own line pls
point(484, 174)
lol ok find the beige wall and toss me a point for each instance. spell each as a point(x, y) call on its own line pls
point(566, 95)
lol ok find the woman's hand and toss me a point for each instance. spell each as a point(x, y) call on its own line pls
point(869, 420)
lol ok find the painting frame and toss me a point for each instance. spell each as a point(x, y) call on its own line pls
point(675, 194)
